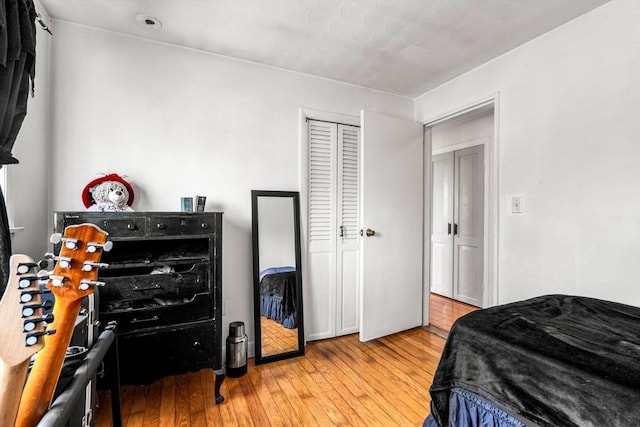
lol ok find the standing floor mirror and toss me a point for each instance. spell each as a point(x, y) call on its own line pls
point(279, 331)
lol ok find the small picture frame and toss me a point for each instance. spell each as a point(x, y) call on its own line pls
point(186, 204)
point(201, 201)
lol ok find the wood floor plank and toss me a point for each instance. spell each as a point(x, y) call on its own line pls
point(152, 408)
point(196, 393)
point(168, 402)
point(182, 412)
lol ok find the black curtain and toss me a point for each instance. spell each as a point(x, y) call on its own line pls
point(17, 71)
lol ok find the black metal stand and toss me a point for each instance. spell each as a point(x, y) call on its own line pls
point(104, 349)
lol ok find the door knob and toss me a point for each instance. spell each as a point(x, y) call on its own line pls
point(370, 232)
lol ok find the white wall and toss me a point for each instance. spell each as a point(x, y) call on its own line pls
point(569, 142)
point(27, 198)
point(180, 122)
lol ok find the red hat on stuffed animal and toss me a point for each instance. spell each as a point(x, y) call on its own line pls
point(87, 198)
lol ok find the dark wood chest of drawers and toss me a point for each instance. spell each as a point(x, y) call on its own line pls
point(163, 287)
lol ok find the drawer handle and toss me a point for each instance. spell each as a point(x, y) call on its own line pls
point(148, 288)
point(204, 225)
point(161, 226)
point(131, 227)
point(150, 319)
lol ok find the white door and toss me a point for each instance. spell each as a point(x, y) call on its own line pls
point(333, 259)
point(392, 208)
point(468, 218)
point(457, 223)
point(442, 225)
point(348, 240)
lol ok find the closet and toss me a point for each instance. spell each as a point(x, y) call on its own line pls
point(332, 300)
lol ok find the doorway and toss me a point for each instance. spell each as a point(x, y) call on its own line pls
point(460, 241)
point(457, 222)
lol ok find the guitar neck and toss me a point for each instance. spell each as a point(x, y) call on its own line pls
point(12, 379)
point(41, 384)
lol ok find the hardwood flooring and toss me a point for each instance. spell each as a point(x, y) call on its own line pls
point(281, 339)
point(339, 382)
point(444, 311)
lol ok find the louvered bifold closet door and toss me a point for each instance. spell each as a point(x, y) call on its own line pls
point(334, 230)
point(348, 244)
point(322, 166)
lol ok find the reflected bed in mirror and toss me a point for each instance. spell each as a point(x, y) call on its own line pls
point(277, 276)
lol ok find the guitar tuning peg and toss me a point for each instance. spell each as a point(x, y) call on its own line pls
point(89, 265)
point(93, 246)
point(24, 267)
point(32, 338)
point(44, 263)
point(69, 243)
point(27, 296)
point(25, 281)
point(29, 310)
point(64, 262)
point(30, 324)
point(86, 284)
point(57, 281)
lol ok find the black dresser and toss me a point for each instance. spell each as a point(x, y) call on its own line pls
point(164, 288)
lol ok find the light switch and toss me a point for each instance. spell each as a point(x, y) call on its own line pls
point(516, 204)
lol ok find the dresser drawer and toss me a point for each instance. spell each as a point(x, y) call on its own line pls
point(158, 312)
point(153, 353)
point(180, 225)
point(175, 285)
point(117, 227)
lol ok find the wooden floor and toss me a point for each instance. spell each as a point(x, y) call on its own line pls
point(444, 311)
point(339, 381)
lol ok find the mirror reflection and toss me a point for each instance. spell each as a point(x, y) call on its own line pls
point(277, 287)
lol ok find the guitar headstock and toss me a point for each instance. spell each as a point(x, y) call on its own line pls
point(21, 312)
point(75, 273)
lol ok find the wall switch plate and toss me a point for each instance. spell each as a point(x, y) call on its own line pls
point(517, 204)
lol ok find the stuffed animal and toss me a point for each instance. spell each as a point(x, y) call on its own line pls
point(109, 193)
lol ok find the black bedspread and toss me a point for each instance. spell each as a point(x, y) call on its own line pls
point(556, 360)
point(278, 291)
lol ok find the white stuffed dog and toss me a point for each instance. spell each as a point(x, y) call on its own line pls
point(110, 193)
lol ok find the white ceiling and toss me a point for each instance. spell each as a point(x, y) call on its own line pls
point(406, 47)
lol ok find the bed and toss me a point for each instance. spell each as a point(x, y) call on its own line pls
point(278, 295)
point(555, 360)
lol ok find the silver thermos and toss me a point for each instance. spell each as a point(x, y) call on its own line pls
point(237, 348)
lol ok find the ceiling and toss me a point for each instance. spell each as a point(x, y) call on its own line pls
point(405, 47)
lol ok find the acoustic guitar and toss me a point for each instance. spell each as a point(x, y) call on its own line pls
point(74, 277)
point(21, 334)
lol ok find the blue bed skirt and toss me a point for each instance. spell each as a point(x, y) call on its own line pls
point(271, 308)
point(470, 410)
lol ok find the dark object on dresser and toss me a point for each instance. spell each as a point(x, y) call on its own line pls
point(164, 288)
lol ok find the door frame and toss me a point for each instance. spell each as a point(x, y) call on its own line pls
point(491, 203)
